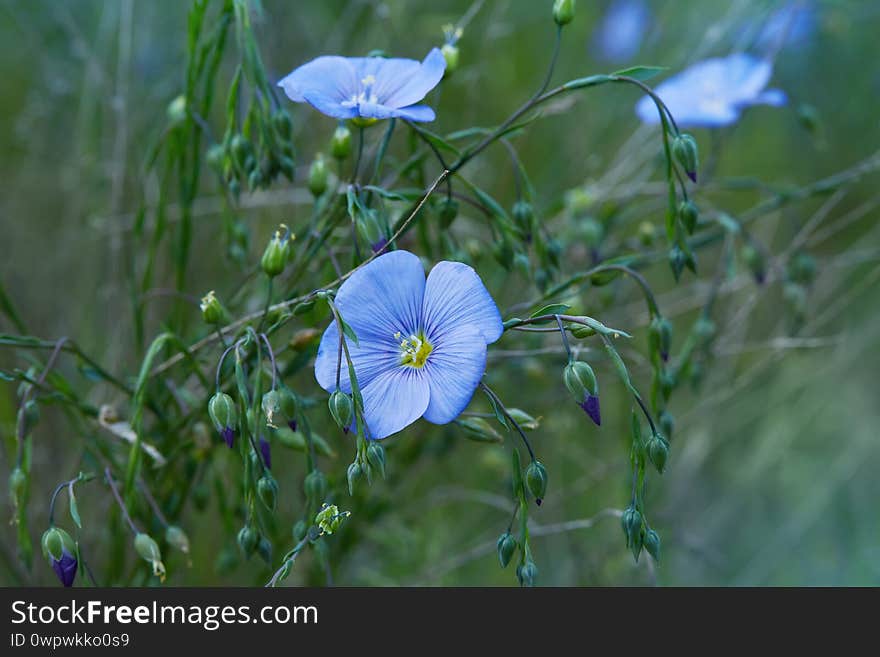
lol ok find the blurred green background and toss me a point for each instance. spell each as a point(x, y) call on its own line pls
point(772, 478)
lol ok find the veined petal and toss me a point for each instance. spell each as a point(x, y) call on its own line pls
point(453, 371)
point(332, 77)
point(370, 357)
point(410, 90)
point(455, 296)
point(393, 400)
point(375, 111)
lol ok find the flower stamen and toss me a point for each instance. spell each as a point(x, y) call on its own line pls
point(414, 349)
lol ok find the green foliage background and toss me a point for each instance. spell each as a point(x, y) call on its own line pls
point(772, 477)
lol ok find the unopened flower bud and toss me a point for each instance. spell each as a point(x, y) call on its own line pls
point(176, 537)
point(523, 419)
point(243, 153)
point(340, 144)
point(658, 451)
point(369, 227)
point(652, 544)
point(221, 409)
point(689, 214)
point(318, 175)
point(376, 457)
point(580, 331)
point(754, 260)
point(277, 252)
point(59, 549)
point(479, 430)
point(536, 480)
point(581, 382)
point(506, 547)
point(29, 415)
point(248, 539)
point(354, 474)
point(676, 261)
point(315, 486)
point(527, 573)
point(660, 336)
point(632, 528)
point(176, 110)
point(264, 549)
point(148, 550)
point(267, 491)
point(213, 311)
point(523, 216)
point(684, 147)
point(451, 55)
point(563, 11)
point(341, 409)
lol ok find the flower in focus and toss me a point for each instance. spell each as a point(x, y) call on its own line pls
point(367, 87)
point(60, 551)
point(421, 348)
point(712, 93)
point(619, 35)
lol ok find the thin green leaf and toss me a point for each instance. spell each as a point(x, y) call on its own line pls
point(552, 309)
point(640, 73)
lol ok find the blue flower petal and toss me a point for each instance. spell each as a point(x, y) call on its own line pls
point(380, 299)
point(394, 400)
point(329, 106)
point(417, 86)
point(417, 113)
point(774, 97)
point(454, 370)
point(455, 296)
point(332, 77)
point(375, 111)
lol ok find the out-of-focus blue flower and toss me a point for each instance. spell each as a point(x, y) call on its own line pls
point(367, 87)
point(421, 348)
point(619, 35)
point(712, 93)
point(789, 25)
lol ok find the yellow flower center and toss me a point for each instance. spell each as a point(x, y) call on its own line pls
point(414, 350)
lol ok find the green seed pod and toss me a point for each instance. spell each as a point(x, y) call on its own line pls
point(340, 144)
point(176, 537)
point(282, 124)
point(267, 491)
point(318, 175)
point(506, 547)
point(652, 544)
point(563, 11)
point(660, 336)
point(451, 55)
point(580, 380)
point(448, 212)
point(242, 152)
point(536, 480)
point(684, 148)
point(354, 474)
point(213, 312)
point(277, 252)
point(658, 452)
point(315, 486)
point(689, 214)
point(631, 520)
point(523, 216)
point(376, 457)
point(341, 409)
point(247, 540)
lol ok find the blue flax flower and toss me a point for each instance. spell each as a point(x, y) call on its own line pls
point(619, 35)
point(367, 87)
point(421, 348)
point(712, 93)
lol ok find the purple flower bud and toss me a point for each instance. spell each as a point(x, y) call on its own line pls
point(266, 451)
point(228, 434)
point(379, 245)
point(591, 408)
point(65, 567)
point(292, 424)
